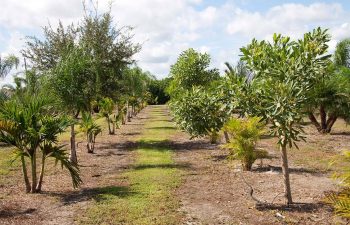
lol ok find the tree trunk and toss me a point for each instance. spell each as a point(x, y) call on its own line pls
point(128, 111)
point(38, 187)
point(323, 117)
point(315, 122)
point(34, 178)
point(109, 125)
point(88, 145)
point(285, 171)
point(73, 153)
point(330, 122)
point(227, 138)
point(25, 174)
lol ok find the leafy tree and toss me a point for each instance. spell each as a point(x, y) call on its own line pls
point(199, 112)
point(157, 89)
point(107, 107)
point(7, 64)
point(91, 130)
point(245, 133)
point(284, 72)
point(111, 51)
point(45, 54)
point(191, 70)
point(30, 126)
point(72, 82)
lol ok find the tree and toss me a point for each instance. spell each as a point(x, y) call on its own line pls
point(191, 70)
point(111, 50)
point(7, 64)
point(107, 107)
point(330, 94)
point(157, 89)
point(284, 72)
point(72, 82)
point(29, 126)
point(245, 133)
point(91, 130)
point(199, 112)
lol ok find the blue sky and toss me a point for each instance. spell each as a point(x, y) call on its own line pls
point(167, 27)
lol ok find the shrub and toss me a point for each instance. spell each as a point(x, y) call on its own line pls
point(244, 135)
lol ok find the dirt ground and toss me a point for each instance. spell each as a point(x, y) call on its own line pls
point(212, 191)
point(59, 202)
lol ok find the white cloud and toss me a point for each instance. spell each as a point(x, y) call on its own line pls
point(289, 19)
point(167, 27)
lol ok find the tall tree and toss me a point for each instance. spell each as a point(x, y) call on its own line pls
point(72, 81)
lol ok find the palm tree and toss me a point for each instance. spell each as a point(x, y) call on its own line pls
point(29, 126)
point(91, 130)
point(7, 64)
point(107, 107)
point(331, 96)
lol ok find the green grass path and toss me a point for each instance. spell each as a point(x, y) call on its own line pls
point(149, 198)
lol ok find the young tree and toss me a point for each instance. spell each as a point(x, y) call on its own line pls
point(91, 130)
point(284, 72)
point(29, 126)
point(107, 107)
point(199, 112)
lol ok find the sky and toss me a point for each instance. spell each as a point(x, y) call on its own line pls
point(165, 28)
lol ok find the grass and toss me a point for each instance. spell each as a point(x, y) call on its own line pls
point(149, 199)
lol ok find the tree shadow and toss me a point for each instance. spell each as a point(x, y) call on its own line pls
point(161, 128)
point(279, 170)
point(162, 166)
point(343, 133)
point(131, 134)
point(7, 213)
point(98, 194)
point(295, 207)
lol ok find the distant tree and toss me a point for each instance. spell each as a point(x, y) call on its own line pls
point(191, 70)
point(90, 129)
point(107, 107)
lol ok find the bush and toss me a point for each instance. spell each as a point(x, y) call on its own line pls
point(244, 135)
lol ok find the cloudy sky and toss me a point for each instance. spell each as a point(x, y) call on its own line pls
point(167, 27)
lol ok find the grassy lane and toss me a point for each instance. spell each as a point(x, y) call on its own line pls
point(149, 198)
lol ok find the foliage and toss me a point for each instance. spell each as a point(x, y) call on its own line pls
point(7, 64)
point(245, 133)
point(341, 201)
point(29, 126)
point(111, 50)
point(199, 112)
point(330, 94)
point(157, 89)
point(191, 70)
point(90, 129)
point(284, 71)
point(107, 106)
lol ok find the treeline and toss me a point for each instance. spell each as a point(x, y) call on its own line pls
point(276, 84)
point(73, 75)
